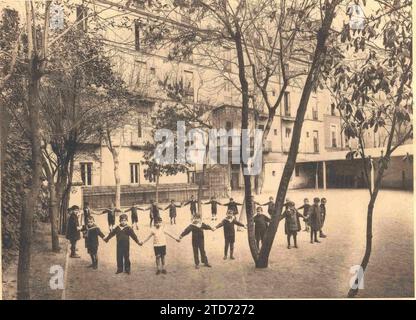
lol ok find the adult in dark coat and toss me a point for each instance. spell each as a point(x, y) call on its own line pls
point(172, 211)
point(197, 228)
point(229, 233)
point(213, 204)
point(192, 205)
point(261, 223)
point(232, 205)
point(315, 220)
point(91, 233)
point(323, 216)
point(123, 234)
point(73, 230)
point(292, 223)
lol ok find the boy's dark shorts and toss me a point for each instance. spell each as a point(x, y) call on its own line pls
point(160, 251)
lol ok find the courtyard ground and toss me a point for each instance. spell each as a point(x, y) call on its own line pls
point(312, 271)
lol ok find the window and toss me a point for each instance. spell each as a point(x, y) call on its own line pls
point(82, 14)
point(297, 171)
point(288, 132)
point(315, 141)
point(333, 109)
point(188, 85)
point(315, 112)
point(139, 3)
point(140, 69)
point(137, 25)
point(228, 127)
point(227, 60)
point(152, 71)
point(287, 104)
point(333, 133)
point(275, 132)
point(273, 173)
point(191, 176)
point(139, 128)
point(307, 134)
point(134, 172)
point(273, 93)
point(86, 173)
point(261, 127)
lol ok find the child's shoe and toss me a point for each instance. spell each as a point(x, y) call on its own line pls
point(157, 272)
point(90, 266)
point(197, 266)
point(288, 246)
point(225, 258)
point(232, 258)
point(317, 241)
point(164, 271)
point(119, 271)
point(207, 265)
point(295, 246)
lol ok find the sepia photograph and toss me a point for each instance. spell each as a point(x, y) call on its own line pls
point(206, 150)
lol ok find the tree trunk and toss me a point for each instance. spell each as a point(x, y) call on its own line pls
point(310, 82)
point(157, 188)
point(369, 231)
point(116, 161)
point(26, 223)
point(248, 198)
point(5, 120)
point(54, 201)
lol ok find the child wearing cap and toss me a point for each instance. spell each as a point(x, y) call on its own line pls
point(123, 234)
point(172, 211)
point(159, 245)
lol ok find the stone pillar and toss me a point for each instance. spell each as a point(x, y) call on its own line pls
point(324, 174)
point(316, 176)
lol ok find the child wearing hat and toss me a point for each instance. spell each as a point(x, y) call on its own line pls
point(91, 233)
point(292, 223)
point(229, 233)
point(197, 228)
point(123, 234)
point(159, 245)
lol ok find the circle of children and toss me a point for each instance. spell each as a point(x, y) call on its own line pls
point(313, 216)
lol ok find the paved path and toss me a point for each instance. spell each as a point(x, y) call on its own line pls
point(318, 270)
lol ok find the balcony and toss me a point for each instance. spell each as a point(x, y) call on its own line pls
point(288, 117)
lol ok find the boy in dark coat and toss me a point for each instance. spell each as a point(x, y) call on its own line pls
point(232, 205)
point(73, 230)
point(270, 206)
point(315, 220)
point(172, 211)
point(292, 223)
point(91, 233)
point(306, 206)
point(197, 228)
point(261, 223)
point(323, 216)
point(213, 204)
point(154, 213)
point(229, 233)
point(123, 234)
point(192, 205)
point(134, 215)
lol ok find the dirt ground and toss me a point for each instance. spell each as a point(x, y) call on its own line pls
point(42, 259)
point(312, 271)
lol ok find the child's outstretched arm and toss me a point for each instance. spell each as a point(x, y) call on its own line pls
point(100, 233)
point(148, 238)
point(221, 224)
point(185, 232)
point(238, 223)
point(110, 235)
point(166, 208)
point(174, 238)
point(134, 236)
